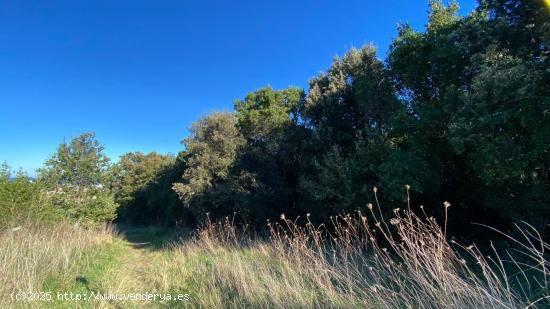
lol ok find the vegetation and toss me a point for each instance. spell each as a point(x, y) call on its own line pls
point(360, 260)
point(142, 186)
point(20, 198)
point(37, 258)
point(458, 112)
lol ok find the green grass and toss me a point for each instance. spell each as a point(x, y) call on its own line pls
point(93, 276)
point(221, 268)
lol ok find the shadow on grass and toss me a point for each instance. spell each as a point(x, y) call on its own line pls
point(151, 237)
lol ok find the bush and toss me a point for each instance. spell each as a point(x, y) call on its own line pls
point(21, 198)
point(88, 206)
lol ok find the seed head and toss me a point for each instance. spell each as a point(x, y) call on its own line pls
point(446, 204)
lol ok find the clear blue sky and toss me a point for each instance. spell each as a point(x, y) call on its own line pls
point(138, 73)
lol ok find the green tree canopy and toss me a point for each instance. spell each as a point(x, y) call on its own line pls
point(212, 149)
point(80, 163)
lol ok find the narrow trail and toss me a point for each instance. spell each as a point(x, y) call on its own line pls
point(139, 260)
point(134, 270)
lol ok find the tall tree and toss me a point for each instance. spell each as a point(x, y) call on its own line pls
point(80, 163)
point(76, 175)
point(212, 149)
point(268, 121)
point(350, 111)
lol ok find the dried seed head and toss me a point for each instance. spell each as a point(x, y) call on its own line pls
point(369, 206)
point(283, 216)
point(407, 187)
point(375, 189)
point(394, 221)
point(446, 204)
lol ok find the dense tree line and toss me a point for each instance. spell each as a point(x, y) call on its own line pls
point(459, 111)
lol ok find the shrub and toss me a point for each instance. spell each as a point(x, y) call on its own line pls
point(21, 198)
point(89, 206)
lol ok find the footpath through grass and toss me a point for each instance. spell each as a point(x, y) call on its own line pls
point(124, 274)
point(222, 267)
point(69, 267)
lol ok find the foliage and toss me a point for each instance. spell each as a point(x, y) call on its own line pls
point(80, 163)
point(459, 111)
point(211, 150)
point(476, 91)
point(75, 177)
point(142, 187)
point(269, 161)
point(21, 199)
point(350, 111)
point(84, 206)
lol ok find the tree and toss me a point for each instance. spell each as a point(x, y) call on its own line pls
point(212, 149)
point(350, 111)
point(503, 128)
point(142, 187)
point(75, 176)
point(80, 163)
point(270, 158)
point(475, 91)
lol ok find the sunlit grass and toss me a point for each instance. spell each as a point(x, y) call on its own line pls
point(360, 260)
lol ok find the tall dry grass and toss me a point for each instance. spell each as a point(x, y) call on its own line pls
point(361, 260)
point(33, 254)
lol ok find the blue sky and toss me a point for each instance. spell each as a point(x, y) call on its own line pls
point(138, 73)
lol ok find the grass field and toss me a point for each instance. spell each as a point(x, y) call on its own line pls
point(361, 262)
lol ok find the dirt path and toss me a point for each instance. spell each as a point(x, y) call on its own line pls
point(134, 271)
